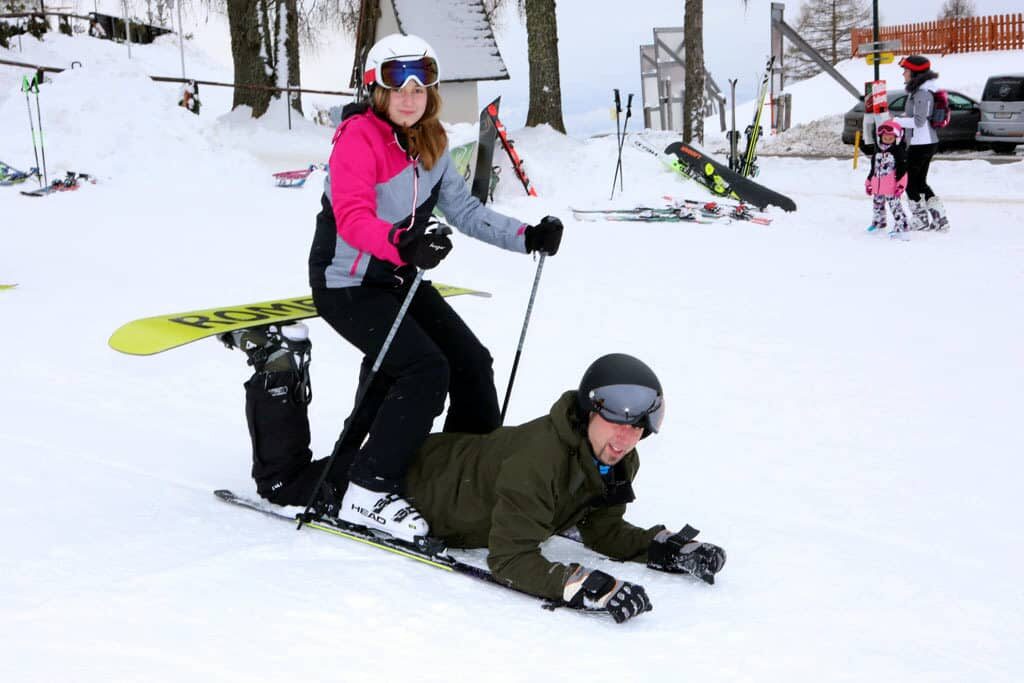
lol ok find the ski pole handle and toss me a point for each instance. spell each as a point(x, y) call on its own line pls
point(618, 101)
point(629, 104)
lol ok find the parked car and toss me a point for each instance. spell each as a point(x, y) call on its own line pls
point(963, 121)
point(1002, 113)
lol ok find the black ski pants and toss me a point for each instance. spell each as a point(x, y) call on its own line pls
point(282, 463)
point(919, 158)
point(434, 354)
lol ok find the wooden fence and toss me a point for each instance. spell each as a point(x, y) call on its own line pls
point(973, 34)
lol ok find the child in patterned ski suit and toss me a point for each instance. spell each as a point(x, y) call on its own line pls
point(888, 179)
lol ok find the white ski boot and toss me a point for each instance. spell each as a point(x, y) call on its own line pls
point(919, 215)
point(387, 512)
point(938, 214)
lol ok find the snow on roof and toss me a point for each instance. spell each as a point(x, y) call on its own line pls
point(460, 33)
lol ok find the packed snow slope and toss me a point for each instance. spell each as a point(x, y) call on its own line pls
point(843, 416)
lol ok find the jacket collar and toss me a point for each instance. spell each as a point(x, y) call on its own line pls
point(578, 446)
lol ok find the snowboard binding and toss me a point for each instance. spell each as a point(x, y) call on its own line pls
point(276, 349)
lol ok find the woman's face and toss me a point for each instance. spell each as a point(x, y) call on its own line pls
point(407, 104)
point(907, 74)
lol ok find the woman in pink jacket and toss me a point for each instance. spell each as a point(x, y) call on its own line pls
point(389, 169)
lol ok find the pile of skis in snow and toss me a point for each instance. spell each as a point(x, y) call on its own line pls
point(678, 211)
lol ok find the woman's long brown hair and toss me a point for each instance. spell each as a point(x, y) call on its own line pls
point(427, 138)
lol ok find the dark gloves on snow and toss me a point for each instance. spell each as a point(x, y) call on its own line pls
point(424, 250)
point(594, 589)
point(679, 553)
point(545, 236)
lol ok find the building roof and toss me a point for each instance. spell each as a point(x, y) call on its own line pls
point(460, 33)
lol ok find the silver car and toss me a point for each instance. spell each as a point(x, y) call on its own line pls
point(1002, 113)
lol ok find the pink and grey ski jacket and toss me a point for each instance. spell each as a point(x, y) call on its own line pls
point(374, 193)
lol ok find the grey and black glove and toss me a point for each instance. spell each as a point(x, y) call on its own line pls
point(544, 237)
point(678, 553)
point(594, 589)
point(424, 250)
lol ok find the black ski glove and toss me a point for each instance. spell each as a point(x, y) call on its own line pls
point(596, 590)
point(545, 236)
point(425, 250)
point(678, 553)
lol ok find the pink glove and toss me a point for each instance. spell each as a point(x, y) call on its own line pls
point(901, 185)
point(867, 187)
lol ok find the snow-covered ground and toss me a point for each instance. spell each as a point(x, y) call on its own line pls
point(843, 415)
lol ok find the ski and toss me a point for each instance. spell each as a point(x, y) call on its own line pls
point(438, 558)
point(646, 214)
point(740, 212)
point(748, 167)
point(297, 178)
point(146, 336)
point(12, 176)
point(483, 187)
point(691, 163)
point(10, 286)
point(695, 164)
point(69, 183)
point(506, 143)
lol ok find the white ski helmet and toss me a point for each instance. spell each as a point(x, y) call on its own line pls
point(396, 58)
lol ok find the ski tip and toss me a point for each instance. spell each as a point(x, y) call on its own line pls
point(10, 286)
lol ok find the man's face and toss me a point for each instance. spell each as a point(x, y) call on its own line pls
point(610, 441)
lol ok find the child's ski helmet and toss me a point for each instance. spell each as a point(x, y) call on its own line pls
point(891, 127)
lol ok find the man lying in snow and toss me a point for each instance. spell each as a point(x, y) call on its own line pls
point(511, 490)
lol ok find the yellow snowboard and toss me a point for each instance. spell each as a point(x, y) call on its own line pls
point(147, 336)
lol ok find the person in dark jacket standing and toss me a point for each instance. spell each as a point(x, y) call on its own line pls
point(922, 142)
point(512, 489)
point(388, 170)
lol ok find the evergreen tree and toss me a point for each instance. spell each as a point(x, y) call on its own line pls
point(826, 26)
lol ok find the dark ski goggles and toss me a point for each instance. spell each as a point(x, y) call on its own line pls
point(629, 404)
point(396, 73)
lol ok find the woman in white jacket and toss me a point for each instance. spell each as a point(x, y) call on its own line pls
point(922, 143)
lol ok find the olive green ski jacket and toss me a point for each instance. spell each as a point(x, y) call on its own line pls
point(512, 489)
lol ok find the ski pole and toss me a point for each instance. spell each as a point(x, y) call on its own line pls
point(42, 145)
point(733, 133)
point(522, 335)
point(618, 140)
point(25, 87)
point(629, 111)
point(364, 387)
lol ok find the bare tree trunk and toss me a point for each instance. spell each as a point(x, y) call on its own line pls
point(545, 83)
point(693, 54)
point(291, 49)
point(248, 55)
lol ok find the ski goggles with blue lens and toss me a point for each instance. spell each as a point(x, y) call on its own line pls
point(629, 404)
point(395, 73)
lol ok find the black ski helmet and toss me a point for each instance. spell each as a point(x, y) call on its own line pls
point(624, 390)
